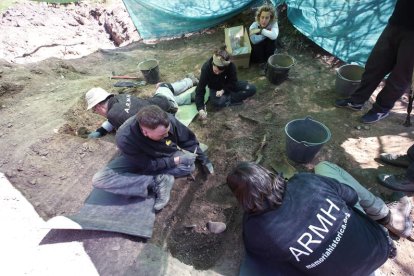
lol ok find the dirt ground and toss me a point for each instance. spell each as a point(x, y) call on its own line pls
point(42, 107)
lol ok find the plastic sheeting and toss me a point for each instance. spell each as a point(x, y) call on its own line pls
point(347, 29)
point(160, 18)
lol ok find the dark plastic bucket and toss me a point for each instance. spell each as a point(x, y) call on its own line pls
point(304, 138)
point(348, 78)
point(278, 66)
point(149, 68)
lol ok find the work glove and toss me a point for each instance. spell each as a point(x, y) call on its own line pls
point(219, 93)
point(94, 135)
point(208, 168)
point(202, 114)
point(187, 158)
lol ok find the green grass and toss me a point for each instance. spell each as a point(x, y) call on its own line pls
point(4, 4)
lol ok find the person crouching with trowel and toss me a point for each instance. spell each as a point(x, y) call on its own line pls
point(155, 147)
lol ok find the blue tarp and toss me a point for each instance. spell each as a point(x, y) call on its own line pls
point(347, 29)
point(160, 18)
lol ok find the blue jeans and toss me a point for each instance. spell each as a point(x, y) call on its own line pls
point(119, 176)
point(242, 91)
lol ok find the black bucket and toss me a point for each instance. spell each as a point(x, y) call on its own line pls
point(348, 78)
point(304, 138)
point(278, 66)
point(149, 68)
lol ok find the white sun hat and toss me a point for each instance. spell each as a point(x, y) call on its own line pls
point(95, 96)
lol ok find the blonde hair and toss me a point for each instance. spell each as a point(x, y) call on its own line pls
point(266, 8)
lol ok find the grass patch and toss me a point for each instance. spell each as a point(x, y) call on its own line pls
point(4, 4)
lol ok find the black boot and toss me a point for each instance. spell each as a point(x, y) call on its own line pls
point(400, 160)
point(396, 182)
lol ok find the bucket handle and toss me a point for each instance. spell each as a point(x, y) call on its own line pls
point(307, 144)
point(308, 118)
point(294, 61)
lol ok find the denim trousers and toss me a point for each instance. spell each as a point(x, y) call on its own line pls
point(243, 90)
point(121, 177)
point(174, 92)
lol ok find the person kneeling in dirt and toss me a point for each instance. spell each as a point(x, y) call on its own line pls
point(118, 108)
point(155, 147)
point(220, 75)
point(314, 224)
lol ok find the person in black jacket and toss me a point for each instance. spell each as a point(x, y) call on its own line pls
point(220, 75)
point(155, 147)
point(314, 224)
point(118, 108)
point(393, 55)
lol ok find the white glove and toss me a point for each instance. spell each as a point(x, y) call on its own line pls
point(219, 93)
point(202, 114)
point(107, 126)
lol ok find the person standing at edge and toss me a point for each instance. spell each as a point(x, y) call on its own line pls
point(155, 147)
point(220, 75)
point(263, 34)
point(314, 224)
point(392, 54)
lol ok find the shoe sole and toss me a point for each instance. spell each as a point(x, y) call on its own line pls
point(408, 222)
point(385, 116)
point(389, 186)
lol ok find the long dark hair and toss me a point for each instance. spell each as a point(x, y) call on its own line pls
point(255, 187)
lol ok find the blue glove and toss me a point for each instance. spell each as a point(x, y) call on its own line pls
point(187, 158)
point(94, 135)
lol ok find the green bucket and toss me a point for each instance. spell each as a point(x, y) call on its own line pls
point(278, 66)
point(150, 70)
point(348, 78)
point(304, 139)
